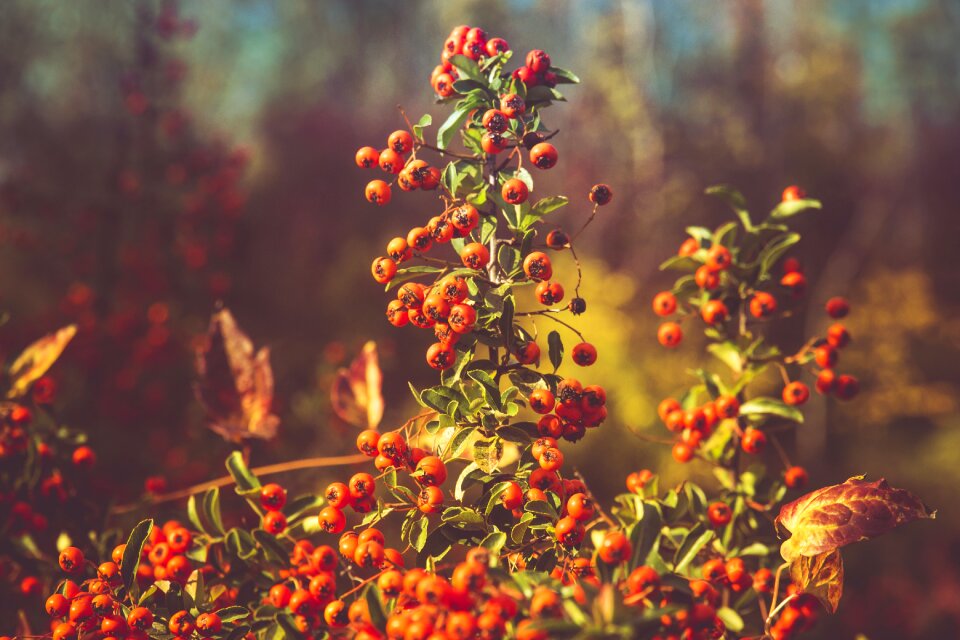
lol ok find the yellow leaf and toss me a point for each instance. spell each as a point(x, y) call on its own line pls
point(838, 515)
point(356, 394)
point(235, 384)
point(37, 359)
point(820, 576)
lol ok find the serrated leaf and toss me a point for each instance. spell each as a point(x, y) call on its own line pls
point(835, 516)
point(771, 407)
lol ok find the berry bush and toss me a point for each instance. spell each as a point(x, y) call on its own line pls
point(468, 523)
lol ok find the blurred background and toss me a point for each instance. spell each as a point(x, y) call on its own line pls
point(157, 157)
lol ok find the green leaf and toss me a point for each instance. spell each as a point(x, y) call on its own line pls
point(132, 552)
point(425, 121)
point(246, 481)
point(211, 509)
point(548, 205)
point(735, 201)
point(555, 349)
point(491, 390)
point(452, 124)
point(271, 547)
point(644, 533)
point(418, 533)
point(505, 323)
point(772, 407)
point(793, 207)
point(695, 540)
point(300, 505)
point(459, 441)
point(232, 614)
point(727, 353)
point(565, 76)
point(679, 263)
point(463, 517)
point(774, 250)
point(494, 542)
point(524, 176)
point(487, 453)
point(240, 543)
point(194, 516)
point(468, 68)
point(378, 617)
point(731, 619)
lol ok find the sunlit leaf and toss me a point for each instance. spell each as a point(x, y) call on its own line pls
point(820, 575)
point(835, 516)
point(356, 394)
point(37, 359)
point(235, 384)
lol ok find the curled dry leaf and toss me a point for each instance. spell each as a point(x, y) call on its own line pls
point(356, 393)
point(821, 576)
point(37, 359)
point(235, 385)
point(834, 516)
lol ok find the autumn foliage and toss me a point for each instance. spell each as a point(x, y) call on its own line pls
point(466, 521)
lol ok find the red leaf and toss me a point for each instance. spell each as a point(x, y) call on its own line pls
point(820, 576)
point(356, 394)
point(835, 516)
point(235, 385)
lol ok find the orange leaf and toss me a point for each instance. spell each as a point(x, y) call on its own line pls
point(37, 359)
point(356, 393)
point(236, 384)
point(834, 516)
point(820, 576)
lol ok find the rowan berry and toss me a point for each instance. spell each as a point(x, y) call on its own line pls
point(273, 497)
point(71, 560)
point(614, 548)
point(274, 522)
point(706, 279)
point(580, 507)
point(666, 407)
point(492, 143)
point(637, 480)
point(512, 105)
point(577, 306)
point(826, 381)
point(682, 452)
point(714, 570)
point(584, 354)
point(390, 583)
point(537, 266)
point(475, 256)
point(528, 353)
point(390, 162)
point(431, 471)
point(445, 334)
point(837, 307)
point(714, 312)
point(495, 121)
point(796, 393)
point(838, 336)
point(397, 313)
point(557, 239)
point(440, 229)
point(377, 192)
point(400, 141)
point(514, 191)
point(65, 631)
point(600, 194)
point(793, 192)
point(847, 387)
point(643, 578)
point(332, 520)
point(140, 618)
point(762, 305)
point(538, 61)
point(367, 442)
point(347, 545)
point(465, 219)
point(551, 459)
point(664, 303)
point(419, 319)
point(57, 606)
point(795, 477)
point(689, 247)
point(367, 157)
point(549, 293)
point(542, 401)
point(462, 318)
point(719, 514)
point(753, 441)
point(825, 356)
point(443, 85)
point(718, 258)
point(544, 155)
point(675, 420)
point(569, 532)
point(84, 457)
point(183, 624)
point(512, 496)
point(419, 239)
point(496, 46)
point(795, 281)
point(430, 499)
point(670, 334)
point(526, 75)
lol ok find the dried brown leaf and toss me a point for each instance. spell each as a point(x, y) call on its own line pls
point(356, 394)
point(820, 576)
point(37, 359)
point(235, 384)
